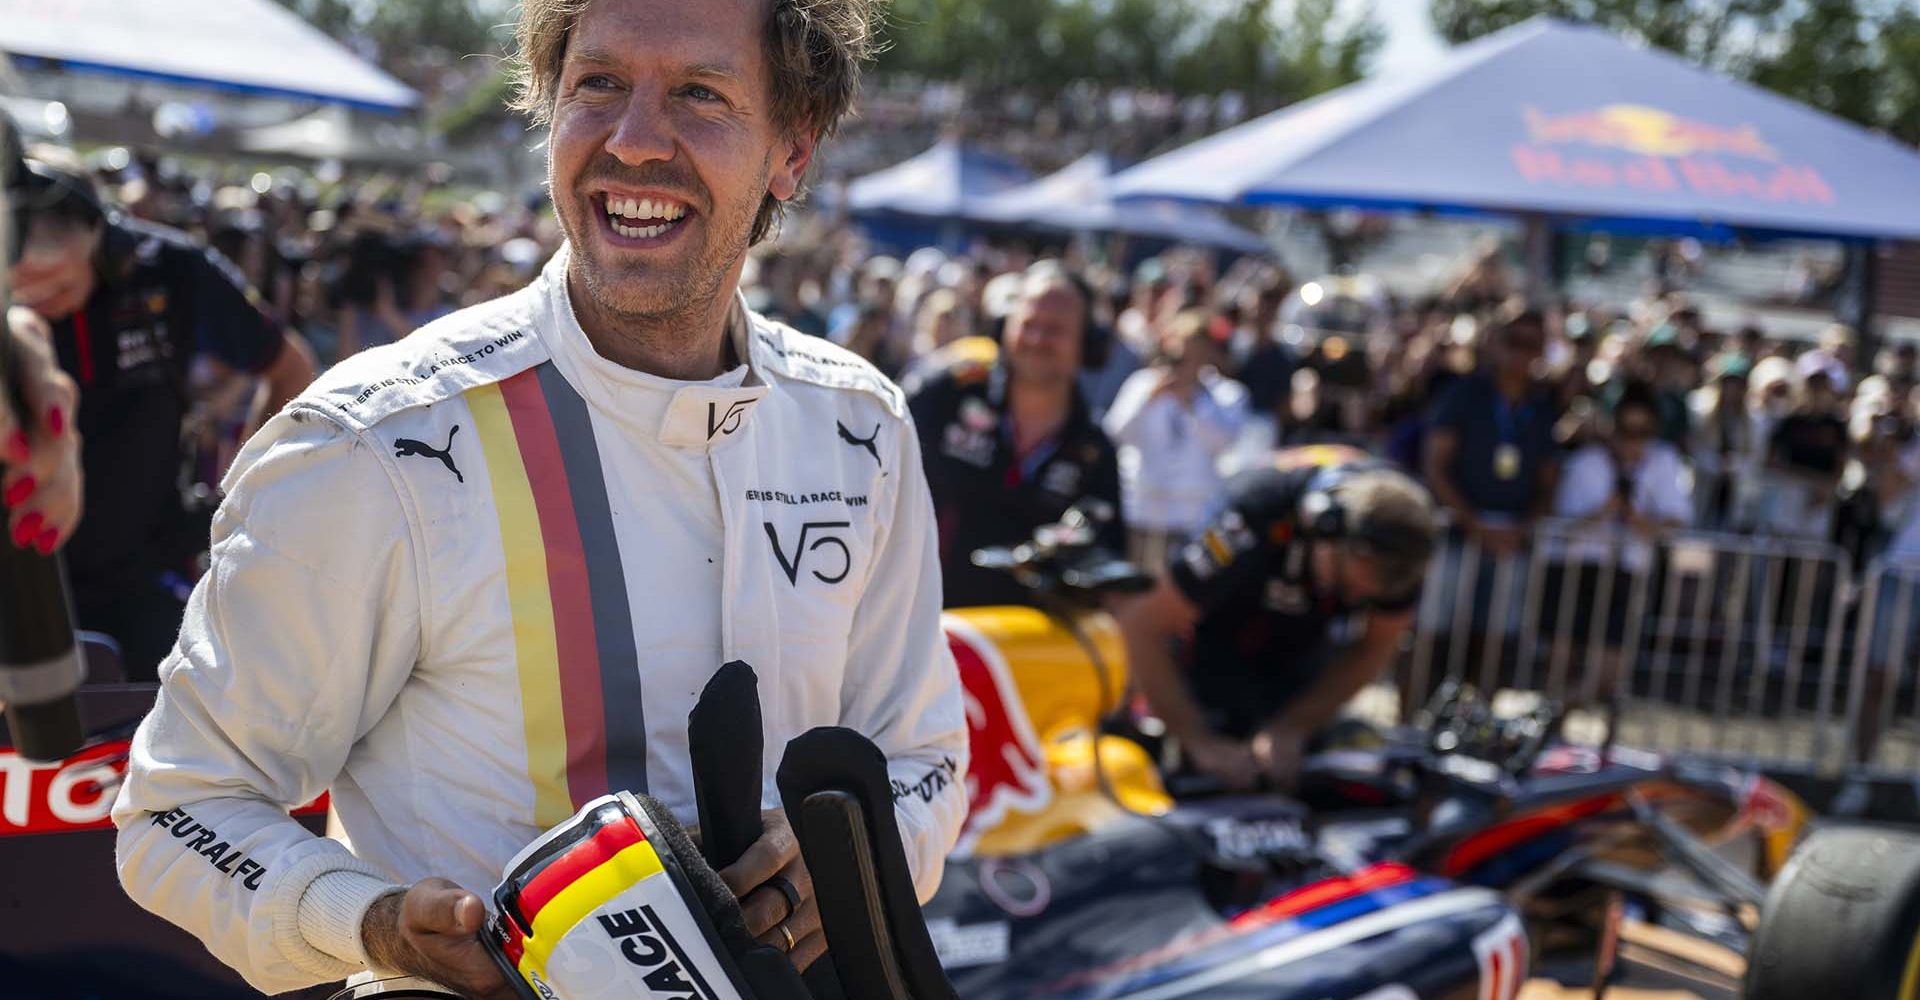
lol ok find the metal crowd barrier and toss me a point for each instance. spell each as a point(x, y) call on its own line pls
point(1748, 648)
point(1882, 716)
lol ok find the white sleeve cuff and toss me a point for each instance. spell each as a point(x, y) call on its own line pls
point(332, 909)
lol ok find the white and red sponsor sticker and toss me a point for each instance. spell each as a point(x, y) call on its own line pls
point(1501, 952)
point(71, 795)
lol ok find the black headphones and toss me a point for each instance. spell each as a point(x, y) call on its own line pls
point(1096, 339)
point(1321, 514)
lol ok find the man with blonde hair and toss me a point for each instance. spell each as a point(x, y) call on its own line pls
point(475, 579)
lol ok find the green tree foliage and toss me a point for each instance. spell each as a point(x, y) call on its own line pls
point(1272, 51)
point(399, 29)
point(1859, 59)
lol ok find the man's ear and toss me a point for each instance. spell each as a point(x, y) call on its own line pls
point(794, 155)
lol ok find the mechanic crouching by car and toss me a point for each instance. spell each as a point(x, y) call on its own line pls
point(1009, 441)
point(474, 579)
point(133, 305)
point(1293, 599)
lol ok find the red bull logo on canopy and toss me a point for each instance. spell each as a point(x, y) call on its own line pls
point(1647, 131)
point(1666, 153)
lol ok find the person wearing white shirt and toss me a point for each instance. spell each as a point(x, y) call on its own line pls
point(1172, 422)
point(1620, 494)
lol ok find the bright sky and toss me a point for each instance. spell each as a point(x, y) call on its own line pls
point(1411, 40)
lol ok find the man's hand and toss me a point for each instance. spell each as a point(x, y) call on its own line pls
point(757, 879)
point(1279, 749)
point(433, 931)
point(41, 486)
point(1228, 760)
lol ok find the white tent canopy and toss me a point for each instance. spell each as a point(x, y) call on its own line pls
point(1079, 198)
point(334, 133)
point(240, 45)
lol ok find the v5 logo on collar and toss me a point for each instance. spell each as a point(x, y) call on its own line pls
point(801, 549)
point(727, 422)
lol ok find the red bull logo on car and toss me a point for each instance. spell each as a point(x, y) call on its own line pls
point(1007, 767)
point(1666, 152)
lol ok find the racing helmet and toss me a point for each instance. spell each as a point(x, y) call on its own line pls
point(616, 903)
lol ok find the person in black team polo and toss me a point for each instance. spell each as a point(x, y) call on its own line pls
point(1295, 597)
point(132, 306)
point(1008, 442)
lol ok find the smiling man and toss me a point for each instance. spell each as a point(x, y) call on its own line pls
point(472, 580)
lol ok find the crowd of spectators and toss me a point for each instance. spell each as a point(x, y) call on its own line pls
point(1636, 414)
point(1752, 433)
point(351, 265)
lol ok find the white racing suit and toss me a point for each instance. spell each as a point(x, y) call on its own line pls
point(473, 579)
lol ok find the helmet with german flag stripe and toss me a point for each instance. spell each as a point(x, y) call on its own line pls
point(617, 904)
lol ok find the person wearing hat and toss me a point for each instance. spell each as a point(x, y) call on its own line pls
point(1671, 374)
point(1724, 444)
point(1833, 356)
point(132, 306)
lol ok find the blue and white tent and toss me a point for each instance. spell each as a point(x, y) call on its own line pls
point(1078, 198)
point(947, 181)
point(1567, 121)
point(926, 200)
point(244, 46)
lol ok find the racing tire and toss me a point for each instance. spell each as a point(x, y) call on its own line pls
point(1842, 920)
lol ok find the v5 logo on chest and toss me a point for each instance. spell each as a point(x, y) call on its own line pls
point(823, 534)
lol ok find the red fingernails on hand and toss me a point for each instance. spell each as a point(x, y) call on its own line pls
point(56, 421)
point(47, 540)
point(28, 528)
point(17, 448)
point(19, 492)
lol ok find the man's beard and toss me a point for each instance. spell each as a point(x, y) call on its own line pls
point(652, 290)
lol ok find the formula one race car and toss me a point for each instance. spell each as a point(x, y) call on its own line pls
point(1434, 861)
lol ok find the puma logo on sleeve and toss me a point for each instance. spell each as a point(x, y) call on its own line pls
point(402, 447)
point(866, 442)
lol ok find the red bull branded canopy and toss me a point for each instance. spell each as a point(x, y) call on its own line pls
point(1569, 121)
